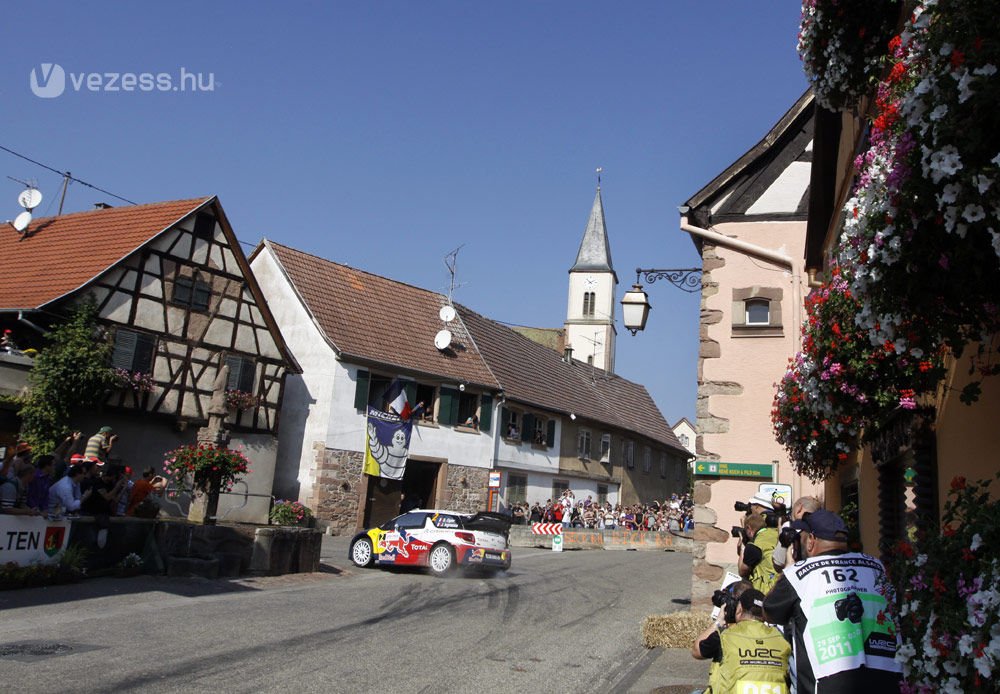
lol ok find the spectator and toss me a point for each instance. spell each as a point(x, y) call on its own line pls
point(14, 492)
point(149, 483)
point(820, 602)
point(66, 495)
point(536, 514)
point(99, 445)
point(104, 498)
point(518, 514)
point(126, 494)
point(64, 453)
point(726, 645)
point(38, 488)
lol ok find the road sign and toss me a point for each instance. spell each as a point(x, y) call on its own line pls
point(717, 468)
point(546, 528)
point(557, 543)
point(494, 479)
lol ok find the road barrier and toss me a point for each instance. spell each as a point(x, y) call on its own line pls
point(546, 528)
point(581, 538)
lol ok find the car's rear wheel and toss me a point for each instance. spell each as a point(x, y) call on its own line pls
point(361, 552)
point(442, 559)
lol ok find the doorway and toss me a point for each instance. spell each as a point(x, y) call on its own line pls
point(388, 498)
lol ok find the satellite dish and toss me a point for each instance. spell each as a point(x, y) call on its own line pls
point(442, 339)
point(447, 314)
point(22, 221)
point(29, 198)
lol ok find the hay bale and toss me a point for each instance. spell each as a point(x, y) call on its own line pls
point(677, 630)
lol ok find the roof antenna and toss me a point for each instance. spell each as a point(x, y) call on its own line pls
point(451, 262)
point(599, 170)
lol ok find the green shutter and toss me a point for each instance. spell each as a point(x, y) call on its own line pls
point(504, 421)
point(361, 391)
point(485, 412)
point(527, 427)
point(411, 392)
point(550, 433)
point(448, 408)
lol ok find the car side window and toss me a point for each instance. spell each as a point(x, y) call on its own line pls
point(440, 520)
point(410, 521)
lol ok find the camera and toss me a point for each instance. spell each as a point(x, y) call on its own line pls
point(740, 533)
point(849, 608)
point(724, 600)
point(787, 537)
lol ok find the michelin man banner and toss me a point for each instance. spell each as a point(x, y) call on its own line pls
point(387, 444)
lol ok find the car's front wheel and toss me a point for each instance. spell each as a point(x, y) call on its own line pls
point(361, 552)
point(442, 559)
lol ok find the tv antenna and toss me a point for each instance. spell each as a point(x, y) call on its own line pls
point(29, 199)
point(451, 262)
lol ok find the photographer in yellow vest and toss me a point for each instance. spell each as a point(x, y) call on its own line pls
point(750, 657)
point(756, 553)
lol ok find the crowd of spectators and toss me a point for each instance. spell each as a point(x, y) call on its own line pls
point(67, 483)
point(670, 515)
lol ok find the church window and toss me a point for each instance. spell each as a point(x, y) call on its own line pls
point(588, 303)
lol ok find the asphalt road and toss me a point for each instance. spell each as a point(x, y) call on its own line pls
point(555, 622)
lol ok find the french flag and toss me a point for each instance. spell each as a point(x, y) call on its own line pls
point(395, 394)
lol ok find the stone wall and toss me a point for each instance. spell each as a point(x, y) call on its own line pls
point(337, 488)
point(465, 489)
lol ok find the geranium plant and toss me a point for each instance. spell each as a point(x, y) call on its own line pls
point(200, 467)
point(289, 513)
point(922, 234)
point(241, 400)
point(842, 46)
point(138, 381)
point(948, 586)
point(840, 384)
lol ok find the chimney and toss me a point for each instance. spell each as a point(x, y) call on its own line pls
point(568, 354)
point(102, 206)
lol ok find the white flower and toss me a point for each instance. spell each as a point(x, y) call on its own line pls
point(977, 542)
point(986, 70)
point(921, 558)
point(973, 213)
point(983, 182)
point(939, 112)
point(949, 193)
point(996, 160)
point(905, 652)
point(964, 88)
point(952, 685)
point(945, 162)
point(966, 644)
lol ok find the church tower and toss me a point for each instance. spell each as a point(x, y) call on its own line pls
point(590, 310)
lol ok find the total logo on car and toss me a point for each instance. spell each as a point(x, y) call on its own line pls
point(439, 540)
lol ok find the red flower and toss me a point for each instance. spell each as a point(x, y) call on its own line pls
point(905, 549)
point(968, 555)
point(958, 483)
point(957, 58)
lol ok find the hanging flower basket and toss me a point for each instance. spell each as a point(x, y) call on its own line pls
point(203, 467)
point(241, 400)
point(138, 382)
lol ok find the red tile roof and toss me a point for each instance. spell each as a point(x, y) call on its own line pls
point(374, 319)
point(58, 255)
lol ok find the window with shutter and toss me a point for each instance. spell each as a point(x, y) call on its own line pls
point(192, 292)
point(133, 351)
point(550, 433)
point(241, 373)
point(528, 426)
point(485, 412)
point(361, 390)
point(448, 409)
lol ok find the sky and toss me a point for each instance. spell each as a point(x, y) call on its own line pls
point(383, 135)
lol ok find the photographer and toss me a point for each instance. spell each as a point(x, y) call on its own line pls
point(757, 543)
point(744, 650)
point(841, 623)
point(788, 550)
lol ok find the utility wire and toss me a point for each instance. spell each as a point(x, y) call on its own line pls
point(67, 174)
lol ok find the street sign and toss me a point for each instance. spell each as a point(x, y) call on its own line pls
point(717, 468)
point(494, 479)
point(557, 541)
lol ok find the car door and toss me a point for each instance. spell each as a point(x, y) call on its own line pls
point(399, 543)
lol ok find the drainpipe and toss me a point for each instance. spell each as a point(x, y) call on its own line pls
point(793, 265)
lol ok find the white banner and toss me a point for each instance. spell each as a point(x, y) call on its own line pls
point(31, 539)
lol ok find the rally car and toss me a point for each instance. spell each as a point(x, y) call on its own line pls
point(439, 540)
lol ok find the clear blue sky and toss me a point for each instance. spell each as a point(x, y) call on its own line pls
point(385, 134)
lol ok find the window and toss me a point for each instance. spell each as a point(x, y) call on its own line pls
point(558, 487)
point(192, 293)
point(605, 448)
point(517, 489)
point(427, 395)
point(583, 443)
point(663, 464)
point(602, 494)
point(133, 351)
point(628, 454)
point(241, 373)
point(468, 409)
point(684, 439)
point(758, 312)
point(647, 459)
point(540, 436)
point(204, 226)
point(510, 425)
point(589, 302)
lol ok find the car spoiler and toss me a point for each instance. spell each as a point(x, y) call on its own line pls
point(488, 520)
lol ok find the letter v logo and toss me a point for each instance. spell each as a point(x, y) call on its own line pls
point(48, 81)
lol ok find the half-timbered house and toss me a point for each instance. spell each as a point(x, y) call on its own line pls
point(176, 298)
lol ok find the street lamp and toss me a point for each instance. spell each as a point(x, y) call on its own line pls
point(635, 303)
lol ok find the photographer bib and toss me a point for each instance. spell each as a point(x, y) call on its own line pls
point(847, 623)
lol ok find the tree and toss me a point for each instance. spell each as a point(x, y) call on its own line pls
point(71, 372)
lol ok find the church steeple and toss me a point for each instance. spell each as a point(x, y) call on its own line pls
point(595, 251)
point(590, 309)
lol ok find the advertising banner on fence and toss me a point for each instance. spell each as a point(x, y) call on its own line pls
point(31, 539)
